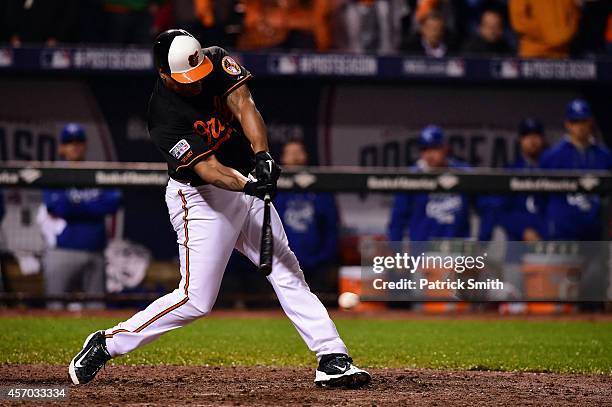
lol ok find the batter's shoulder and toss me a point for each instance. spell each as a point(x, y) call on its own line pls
point(228, 74)
point(215, 54)
point(225, 64)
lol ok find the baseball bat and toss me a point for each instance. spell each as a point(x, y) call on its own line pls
point(266, 249)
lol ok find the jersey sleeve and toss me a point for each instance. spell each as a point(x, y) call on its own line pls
point(229, 74)
point(182, 147)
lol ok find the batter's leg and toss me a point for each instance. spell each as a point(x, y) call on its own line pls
point(302, 307)
point(207, 221)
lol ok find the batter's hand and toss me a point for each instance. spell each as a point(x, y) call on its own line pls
point(260, 189)
point(266, 170)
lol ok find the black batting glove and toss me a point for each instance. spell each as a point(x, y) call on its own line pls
point(259, 189)
point(266, 170)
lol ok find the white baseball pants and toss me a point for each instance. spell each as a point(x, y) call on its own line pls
point(209, 223)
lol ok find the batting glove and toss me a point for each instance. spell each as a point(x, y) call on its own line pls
point(266, 170)
point(259, 189)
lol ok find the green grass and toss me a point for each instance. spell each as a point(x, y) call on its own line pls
point(566, 347)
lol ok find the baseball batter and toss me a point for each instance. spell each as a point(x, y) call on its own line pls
point(203, 120)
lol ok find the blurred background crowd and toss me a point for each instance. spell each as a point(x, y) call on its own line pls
point(435, 28)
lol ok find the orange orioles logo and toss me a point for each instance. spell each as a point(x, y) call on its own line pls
point(230, 66)
point(212, 129)
point(193, 59)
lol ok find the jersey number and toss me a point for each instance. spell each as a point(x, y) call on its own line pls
point(210, 129)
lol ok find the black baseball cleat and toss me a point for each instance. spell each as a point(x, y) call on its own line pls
point(337, 370)
point(88, 362)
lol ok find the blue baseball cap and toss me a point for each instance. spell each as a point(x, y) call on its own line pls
point(72, 132)
point(578, 109)
point(431, 136)
point(530, 125)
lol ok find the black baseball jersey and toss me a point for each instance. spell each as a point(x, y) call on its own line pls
point(189, 129)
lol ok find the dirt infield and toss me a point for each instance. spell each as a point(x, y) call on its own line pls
point(259, 386)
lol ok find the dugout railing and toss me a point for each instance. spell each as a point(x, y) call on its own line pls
point(362, 180)
point(322, 179)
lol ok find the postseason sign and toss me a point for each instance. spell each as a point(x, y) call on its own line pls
point(390, 67)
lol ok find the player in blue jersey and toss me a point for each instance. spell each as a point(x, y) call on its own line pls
point(437, 215)
point(73, 224)
point(575, 216)
point(311, 224)
point(521, 214)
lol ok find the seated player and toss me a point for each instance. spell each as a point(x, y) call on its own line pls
point(521, 214)
point(437, 215)
point(575, 216)
point(73, 224)
point(311, 224)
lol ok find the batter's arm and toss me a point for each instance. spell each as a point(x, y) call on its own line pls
point(242, 105)
point(217, 174)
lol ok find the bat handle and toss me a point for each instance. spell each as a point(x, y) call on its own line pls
point(265, 255)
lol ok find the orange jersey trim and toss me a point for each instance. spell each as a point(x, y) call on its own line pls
point(185, 223)
point(237, 84)
point(206, 153)
point(184, 300)
point(161, 314)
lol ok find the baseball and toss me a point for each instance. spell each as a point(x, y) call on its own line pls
point(348, 300)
